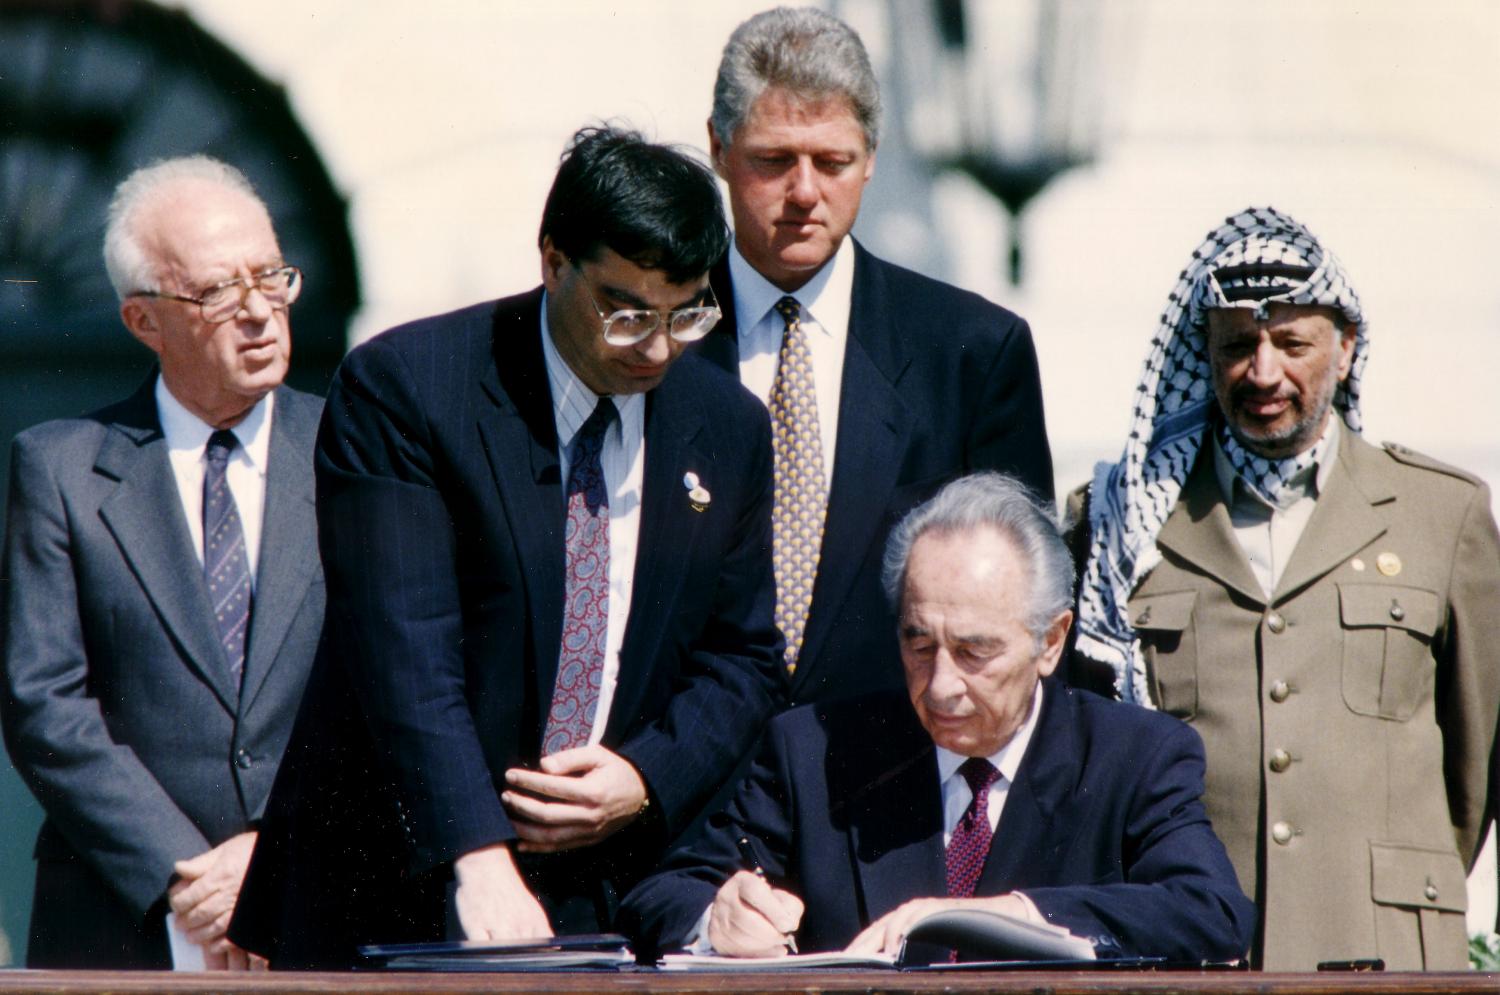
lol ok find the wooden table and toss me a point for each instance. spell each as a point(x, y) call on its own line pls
point(1030, 982)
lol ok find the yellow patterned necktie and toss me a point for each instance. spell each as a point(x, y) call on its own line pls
point(800, 495)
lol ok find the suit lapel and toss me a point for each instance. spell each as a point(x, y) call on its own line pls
point(289, 540)
point(1198, 530)
point(519, 430)
point(873, 428)
point(665, 539)
point(1343, 521)
point(894, 810)
point(144, 514)
point(722, 346)
point(1030, 839)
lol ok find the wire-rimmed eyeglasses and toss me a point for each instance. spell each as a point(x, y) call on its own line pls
point(222, 301)
point(628, 326)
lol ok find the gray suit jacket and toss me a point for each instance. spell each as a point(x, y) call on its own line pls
point(117, 703)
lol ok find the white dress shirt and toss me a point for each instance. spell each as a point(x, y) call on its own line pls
point(956, 798)
point(623, 458)
point(1007, 760)
point(1268, 534)
point(187, 438)
point(825, 300)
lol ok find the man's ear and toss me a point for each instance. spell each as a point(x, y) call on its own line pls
point(553, 262)
point(715, 149)
point(141, 322)
point(1052, 644)
point(1347, 337)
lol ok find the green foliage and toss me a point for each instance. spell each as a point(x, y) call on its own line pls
point(1484, 952)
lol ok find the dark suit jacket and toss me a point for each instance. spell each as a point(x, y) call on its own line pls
point(441, 510)
point(937, 383)
point(1106, 836)
point(118, 707)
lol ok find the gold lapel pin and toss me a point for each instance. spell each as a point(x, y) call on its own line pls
point(698, 496)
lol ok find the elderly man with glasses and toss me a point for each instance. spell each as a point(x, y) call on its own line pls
point(547, 537)
point(154, 647)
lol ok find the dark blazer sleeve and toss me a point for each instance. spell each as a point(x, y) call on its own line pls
point(1009, 430)
point(1176, 894)
point(661, 912)
point(96, 791)
point(394, 613)
point(730, 681)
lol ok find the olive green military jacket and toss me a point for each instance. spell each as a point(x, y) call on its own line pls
point(1349, 719)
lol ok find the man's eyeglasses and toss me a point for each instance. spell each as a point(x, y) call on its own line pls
point(628, 326)
point(222, 301)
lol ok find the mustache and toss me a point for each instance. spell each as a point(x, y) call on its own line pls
point(1243, 392)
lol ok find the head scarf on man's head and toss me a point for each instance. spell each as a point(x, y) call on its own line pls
point(1257, 257)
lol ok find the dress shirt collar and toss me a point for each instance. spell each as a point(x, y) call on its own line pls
point(826, 298)
point(1312, 481)
point(1007, 759)
point(185, 431)
point(572, 400)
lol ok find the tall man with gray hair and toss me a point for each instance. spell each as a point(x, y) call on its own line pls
point(1322, 610)
point(162, 592)
point(881, 384)
point(984, 785)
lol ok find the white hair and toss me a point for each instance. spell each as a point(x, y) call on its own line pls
point(130, 269)
point(991, 500)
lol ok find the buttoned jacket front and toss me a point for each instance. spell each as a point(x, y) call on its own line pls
point(1349, 717)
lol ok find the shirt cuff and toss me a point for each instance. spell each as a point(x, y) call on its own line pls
point(697, 942)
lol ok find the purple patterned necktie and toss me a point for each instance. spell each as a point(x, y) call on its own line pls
point(580, 663)
point(970, 843)
point(225, 564)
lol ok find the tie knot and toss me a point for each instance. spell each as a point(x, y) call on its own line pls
point(980, 774)
point(590, 436)
point(220, 445)
point(790, 311)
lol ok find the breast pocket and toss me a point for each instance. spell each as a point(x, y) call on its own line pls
point(1387, 636)
point(1164, 625)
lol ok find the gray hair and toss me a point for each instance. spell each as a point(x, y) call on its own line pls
point(801, 49)
point(1003, 503)
point(130, 269)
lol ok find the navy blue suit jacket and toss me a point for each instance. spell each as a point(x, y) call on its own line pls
point(937, 383)
point(1103, 830)
point(441, 514)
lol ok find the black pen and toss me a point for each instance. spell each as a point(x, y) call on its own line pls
point(753, 865)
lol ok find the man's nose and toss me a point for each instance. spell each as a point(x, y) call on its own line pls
point(256, 307)
point(1265, 365)
point(946, 685)
point(802, 188)
point(655, 348)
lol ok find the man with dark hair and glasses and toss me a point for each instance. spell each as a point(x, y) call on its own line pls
point(162, 593)
point(547, 538)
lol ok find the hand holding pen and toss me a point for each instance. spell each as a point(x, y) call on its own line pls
point(750, 917)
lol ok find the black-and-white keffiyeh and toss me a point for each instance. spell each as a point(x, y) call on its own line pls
point(1256, 257)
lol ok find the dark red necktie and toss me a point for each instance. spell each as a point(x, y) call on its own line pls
point(580, 663)
point(970, 842)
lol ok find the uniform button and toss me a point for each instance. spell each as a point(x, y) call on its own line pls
point(1279, 691)
point(1275, 623)
point(1397, 612)
point(1431, 892)
point(1280, 760)
point(1281, 833)
point(243, 760)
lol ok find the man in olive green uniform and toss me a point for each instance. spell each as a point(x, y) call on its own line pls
point(1325, 612)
